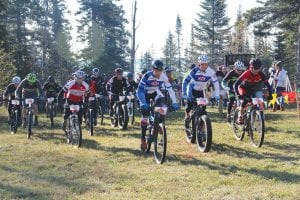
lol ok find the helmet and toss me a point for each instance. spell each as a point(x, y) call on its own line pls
point(130, 75)
point(203, 59)
point(256, 63)
point(144, 71)
point(16, 79)
point(50, 79)
point(96, 71)
point(79, 74)
point(239, 65)
point(31, 77)
point(158, 64)
point(118, 70)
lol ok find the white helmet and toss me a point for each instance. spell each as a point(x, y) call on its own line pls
point(16, 79)
point(203, 59)
point(79, 74)
point(239, 65)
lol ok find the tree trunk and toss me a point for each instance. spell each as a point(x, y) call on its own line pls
point(133, 45)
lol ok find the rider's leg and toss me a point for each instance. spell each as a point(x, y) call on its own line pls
point(67, 113)
point(46, 108)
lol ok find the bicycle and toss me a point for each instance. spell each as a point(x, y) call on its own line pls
point(131, 107)
point(157, 132)
point(90, 118)
point(14, 116)
point(120, 117)
point(100, 107)
point(73, 128)
point(201, 130)
point(51, 110)
point(29, 116)
point(254, 123)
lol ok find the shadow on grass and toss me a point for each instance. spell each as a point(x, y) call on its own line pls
point(92, 144)
point(61, 181)
point(241, 153)
point(225, 169)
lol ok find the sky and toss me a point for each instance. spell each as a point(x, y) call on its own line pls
point(157, 17)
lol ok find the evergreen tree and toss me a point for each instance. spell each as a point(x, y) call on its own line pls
point(146, 60)
point(169, 51)
point(178, 34)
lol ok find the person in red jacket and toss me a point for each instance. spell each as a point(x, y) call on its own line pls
point(74, 93)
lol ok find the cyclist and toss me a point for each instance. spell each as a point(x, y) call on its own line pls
point(31, 88)
point(74, 93)
point(51, 89)
point(9, 94)
point(133, 84)
point(115, 87)
point(195, 83)
point(149, 88)
point(228, 82)
point(250, 84)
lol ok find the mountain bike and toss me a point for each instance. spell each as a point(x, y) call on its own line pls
point(101, 107)
point(29, 115)
point(14, 116)
point(157, 132)
point(131, 107)
point(201, 128)
point(120, 117)
point(90, 119)
point(254, 122)
point(73, 128)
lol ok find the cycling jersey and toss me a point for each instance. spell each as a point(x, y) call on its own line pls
point(75, 92)
point(116, 86)
point(29, 90)
point(10, 91)
point(230, 79)
point(149, 84)
point(199, 79)
point(251, 83)
point(51, 89)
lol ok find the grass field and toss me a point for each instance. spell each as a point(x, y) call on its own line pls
point(110, 165)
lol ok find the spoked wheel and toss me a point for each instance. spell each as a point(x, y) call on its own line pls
point(101, 114)
point(51, 116)
point(160, 143)
point(91, 122)
point(149, 139)
point(14, 122)
point(203, 133)
point(123, 117)
point(76, 134)
point(238, 129)
point(257, 128)
point(190, 131)
point(114, 119)
point(29, 125)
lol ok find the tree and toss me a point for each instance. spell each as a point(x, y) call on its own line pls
point(169, 51)
point(146, 60)
point(279, 17)
point(211, 28)
point(133, 38)
point(178, 34)
point(103, 30)
point(263, 51)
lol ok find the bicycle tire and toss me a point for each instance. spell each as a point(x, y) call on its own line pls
point(253, 131)
point(160, 140)
point(29, 125)
point(91, 122)
point(238, 130)
point(203, 125)
point(76, 134)
point(190, 132)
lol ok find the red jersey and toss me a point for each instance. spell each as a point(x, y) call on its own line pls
point(251, 79)
point(75, 92)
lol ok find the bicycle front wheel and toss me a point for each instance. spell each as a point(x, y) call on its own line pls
point(257, 128)
point(160, 143)
point(91, 122)
point(238, 129)
point(29, 126)
point(76, 134)
point(203, 133)
point(14, 122)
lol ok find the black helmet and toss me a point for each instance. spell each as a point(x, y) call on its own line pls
point(96, 71)
point(50, 79)
point(158, 64)
point(192, 66)
point(118, 70)
point(256, 63)
point(144, 71)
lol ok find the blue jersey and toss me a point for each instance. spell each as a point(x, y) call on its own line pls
point(150, 84)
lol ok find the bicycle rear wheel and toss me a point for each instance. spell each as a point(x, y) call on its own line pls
point(257, 128)
point(160, 143)
point(203, 133)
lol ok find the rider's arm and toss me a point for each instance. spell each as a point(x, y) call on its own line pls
point(128, 87)
point(141, 90)
point(169, 88)
point(225, 80)
point(40, 90)
point(186, 82)
point(266, 82)
point(215, 82)
point(20, 88)
point(109, 84)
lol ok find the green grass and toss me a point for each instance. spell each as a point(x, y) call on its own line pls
point(110, 165)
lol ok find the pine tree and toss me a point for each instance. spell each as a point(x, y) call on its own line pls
point(211, 29)
point(146, 60)
point(178, 34)
point(169, 51)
